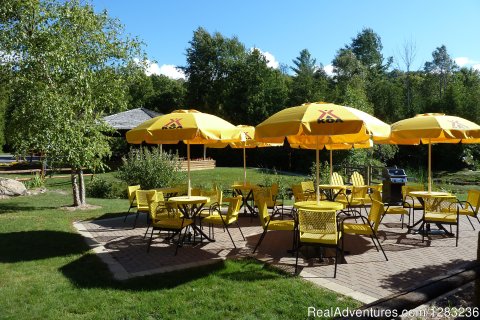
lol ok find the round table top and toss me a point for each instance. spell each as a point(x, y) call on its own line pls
point(331, 186)
point(189, 200)
point(168, 190)
point(432, 194)
point(245, 186)
point(321, 205)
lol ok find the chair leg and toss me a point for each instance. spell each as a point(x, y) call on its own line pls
point(296, 260)
point(261, 239)
point(373, 240)
point(458, 231)
point(336, 261)
point(380, 245)
point(146, 231)
point(228, 231)
point(183, 239)
point(240, 230)
point(470, 222)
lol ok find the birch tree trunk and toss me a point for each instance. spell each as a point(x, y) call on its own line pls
point(75, 189)
point(82, 188)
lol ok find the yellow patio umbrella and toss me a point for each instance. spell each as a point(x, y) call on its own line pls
point(322, 123)
point(431, 128)
point(191, 126)
point(247, 142)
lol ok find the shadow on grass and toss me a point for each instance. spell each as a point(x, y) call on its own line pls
point(22, 206)
point(36, 245)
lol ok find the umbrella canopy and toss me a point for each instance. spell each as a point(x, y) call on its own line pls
point(432, 128)
point(248, 142)
point(191, 126)
point(317, 124)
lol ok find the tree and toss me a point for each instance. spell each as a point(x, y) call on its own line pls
point(440, 68)
point(168, 94)
point(210, 58)
point(367, 47)
point(67, 62)
point(309, 82)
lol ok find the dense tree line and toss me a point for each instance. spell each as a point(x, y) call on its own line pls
point(227, 79)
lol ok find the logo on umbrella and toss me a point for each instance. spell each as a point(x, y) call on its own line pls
point(247, 136)
point(173, 124)
point(328, 116)
point(458, 125)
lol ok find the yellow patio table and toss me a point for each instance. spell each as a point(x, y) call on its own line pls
point(421, 195)
point(246, 191)
point(190, 207)
point(318, 205)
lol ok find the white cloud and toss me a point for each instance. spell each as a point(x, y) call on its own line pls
point(466, 62)
point(271, 61)
point(328, 70)
point(168, 70)
point(476, 66)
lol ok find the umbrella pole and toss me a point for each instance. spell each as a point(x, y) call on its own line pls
point(429, 165)
point(318, 172)
point(189, 192)
point(244, 166)
point(204, 152)
point(331, 166)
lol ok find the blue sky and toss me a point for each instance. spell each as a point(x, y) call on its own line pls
point(282, 28)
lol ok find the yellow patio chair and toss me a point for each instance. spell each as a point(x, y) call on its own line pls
point(131, 198)
point(142, 204)
point(268, 223)
point(368, 227)
point(270, 200)
point(470, 207)
point(356, 199)
point(166, 222)
point(216, 199)
point(308, 189)
point(441, 210)
point(357, 179)
point(318, 228)
point(298, 193)
point(394, 210)
point(225, 220)
point(337, 180)
point(163, 211)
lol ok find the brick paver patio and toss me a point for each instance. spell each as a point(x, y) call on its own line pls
point(364, 274)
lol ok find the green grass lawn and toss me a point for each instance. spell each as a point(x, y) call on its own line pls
point(48, 272)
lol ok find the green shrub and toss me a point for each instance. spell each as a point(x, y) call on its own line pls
point(36, 182)
point(151, 168)
point(101, 188)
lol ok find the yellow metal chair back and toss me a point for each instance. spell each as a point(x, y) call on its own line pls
point(307, 186)
point(142, 200)
point(357, 179)
point(376, 211)
point(337, 179)
point(131, 193)
point(473, 198)
point(262, 209)
point(298, 192)
point(233, 207)
point(320, 223)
